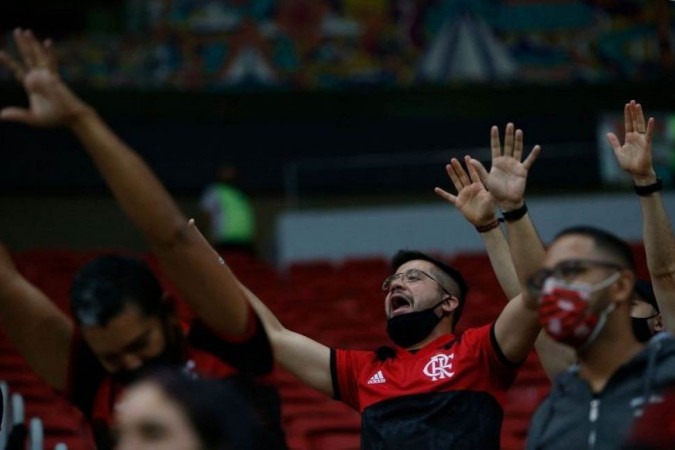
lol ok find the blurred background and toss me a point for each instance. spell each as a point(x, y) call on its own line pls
point(328, 103)
point(338, 116)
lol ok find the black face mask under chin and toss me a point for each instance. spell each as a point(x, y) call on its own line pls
point(408, 329)
point(641, 328)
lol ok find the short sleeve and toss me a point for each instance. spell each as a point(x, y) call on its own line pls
point(500, 371)
point(345, 367)
point(250, 353)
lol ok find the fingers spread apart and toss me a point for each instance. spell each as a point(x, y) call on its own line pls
point(32, 54)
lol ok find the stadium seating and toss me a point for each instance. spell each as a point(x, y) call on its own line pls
point(337, 304)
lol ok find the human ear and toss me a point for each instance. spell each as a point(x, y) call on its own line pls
point(624, 287)
point(451, 304)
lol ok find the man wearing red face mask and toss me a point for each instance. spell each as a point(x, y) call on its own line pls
point(653, 301)
point(583, 294)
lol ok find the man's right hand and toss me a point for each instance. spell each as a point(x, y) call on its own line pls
point(52, 103)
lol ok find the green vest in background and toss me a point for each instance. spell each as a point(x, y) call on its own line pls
point(231, 214)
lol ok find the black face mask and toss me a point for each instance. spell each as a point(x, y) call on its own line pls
point(408, 329)
point(171, 356)
point(641, 328)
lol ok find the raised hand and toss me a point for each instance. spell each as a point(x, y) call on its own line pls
point(51, 102)
point(508, 175)
point(474, 202)
point(635, 155)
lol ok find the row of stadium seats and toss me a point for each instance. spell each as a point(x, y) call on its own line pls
point(336, 304)
point(15, 434)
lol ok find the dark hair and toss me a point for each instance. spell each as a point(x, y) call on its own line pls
point(403, 256)
point(219, 414)
point(106, 285)
point(645, 291)
point(605, 241)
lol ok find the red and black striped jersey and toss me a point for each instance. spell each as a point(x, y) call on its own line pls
point(447, 394)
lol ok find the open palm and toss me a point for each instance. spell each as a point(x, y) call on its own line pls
point(635, 155)
point(51, 103)
point(472, 200)
point(507, 178)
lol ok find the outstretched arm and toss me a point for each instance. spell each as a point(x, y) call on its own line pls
point(300, 355)
point(38, 329)
point(190, 262)
point(635, 157)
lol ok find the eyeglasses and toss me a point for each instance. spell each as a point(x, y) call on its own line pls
point(410, 276)
point(566, 270)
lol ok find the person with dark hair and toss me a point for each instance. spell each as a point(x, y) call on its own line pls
point(648, 299)
point(645, 315)
point(434, 389)
point(123, 320)
point(170, 410)
point(583, 294)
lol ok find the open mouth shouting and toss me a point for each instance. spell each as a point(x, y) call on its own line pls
point(399, 304)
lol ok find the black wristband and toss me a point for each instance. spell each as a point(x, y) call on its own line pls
point(516, 214)
point(649, 189)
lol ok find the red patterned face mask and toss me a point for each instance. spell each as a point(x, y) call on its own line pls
point(565, 314)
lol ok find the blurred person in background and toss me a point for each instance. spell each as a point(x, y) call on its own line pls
point(120, 310)
point(655, 430)
point(646, 317)
point(584, 294)
point(230, 221)
point(647, 320)
point(170, 410)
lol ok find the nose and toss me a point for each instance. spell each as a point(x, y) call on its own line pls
point(396, 283)
point(131, 361)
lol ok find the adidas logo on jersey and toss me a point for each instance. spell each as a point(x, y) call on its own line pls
point(378, 378)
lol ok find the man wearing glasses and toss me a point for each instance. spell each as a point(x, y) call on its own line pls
point(584, 296)
point(434, 389)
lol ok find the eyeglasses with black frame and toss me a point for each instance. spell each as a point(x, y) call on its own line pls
point(410, 276)
point(565, 270)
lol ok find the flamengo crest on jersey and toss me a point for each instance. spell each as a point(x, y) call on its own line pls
point(439, 367)
point(378, 378)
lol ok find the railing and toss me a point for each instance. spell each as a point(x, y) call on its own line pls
point(422, 168)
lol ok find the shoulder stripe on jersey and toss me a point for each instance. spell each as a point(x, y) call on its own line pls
point(498, 350)
point(333, 374)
